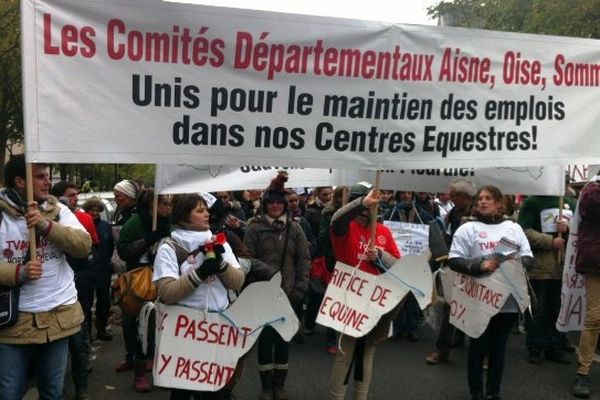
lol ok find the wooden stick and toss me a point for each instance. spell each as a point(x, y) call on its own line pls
point(375, 210)
point(561, 251)
point(344, 195)
point(155, 212)
point(32, 235)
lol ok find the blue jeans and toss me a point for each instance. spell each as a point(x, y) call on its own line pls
point(50, 363)
point(79, 346)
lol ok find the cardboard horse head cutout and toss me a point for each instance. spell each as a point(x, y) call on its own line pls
point(356, 300)
point(198, 350)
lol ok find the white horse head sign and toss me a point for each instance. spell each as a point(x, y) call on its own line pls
point(197, 350)
point(475, 300)
point(356, 300)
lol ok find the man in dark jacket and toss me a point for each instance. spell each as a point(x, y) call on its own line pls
point(462, 193)
point(547, 241)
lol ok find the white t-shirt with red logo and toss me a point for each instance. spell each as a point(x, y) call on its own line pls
point(476, 239)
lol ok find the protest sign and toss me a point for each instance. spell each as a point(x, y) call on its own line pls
point(355, 300)
point(572, 295)
point(187, 178)
point(474, 300)
point(549, 217)
point(410, 238)
point(148, 81)
point(199, 350)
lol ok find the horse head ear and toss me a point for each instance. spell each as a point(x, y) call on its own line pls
point(276, 279)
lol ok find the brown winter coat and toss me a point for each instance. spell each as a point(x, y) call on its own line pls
point(265, 241)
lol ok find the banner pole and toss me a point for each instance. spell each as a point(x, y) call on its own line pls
point(155, 211)
point(32, 235)
point(375, 209)
point(561, 203)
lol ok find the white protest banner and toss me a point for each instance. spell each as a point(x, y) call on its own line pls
point(572, 296)
point(197, 350)
point(355, 300)
point(474, 300)
point(142, 81)
point(187, 178)
point(410, 238)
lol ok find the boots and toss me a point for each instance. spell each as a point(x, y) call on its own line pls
point(266, 380)
point(141, 383)
point(280, 393)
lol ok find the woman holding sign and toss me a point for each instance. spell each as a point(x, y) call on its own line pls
point(193, 269)
point(350, 233)
point(475, 251)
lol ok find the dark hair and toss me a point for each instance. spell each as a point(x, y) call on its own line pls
point(398, 195)
point(319, 189)
point(93, 202)
point(496, 195)
point(14, 168)
point(144, 201)
point(59, 188)
point(183, 205)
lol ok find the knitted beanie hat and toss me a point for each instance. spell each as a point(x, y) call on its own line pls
point(275, 192)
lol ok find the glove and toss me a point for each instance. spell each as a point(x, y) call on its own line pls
point(209, 267)
point(219, 250)
point(214, 251)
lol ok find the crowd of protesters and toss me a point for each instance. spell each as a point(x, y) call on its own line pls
point(64, 290)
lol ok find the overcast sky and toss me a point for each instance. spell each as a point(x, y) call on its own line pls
point(405, 11)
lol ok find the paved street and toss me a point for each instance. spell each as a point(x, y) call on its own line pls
point(400, 373)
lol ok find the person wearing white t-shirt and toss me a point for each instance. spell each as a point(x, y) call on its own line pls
point(48, 311)
point(472, 253)
point(200, 282)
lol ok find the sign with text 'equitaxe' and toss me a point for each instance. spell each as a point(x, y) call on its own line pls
point(355, 300)
point(475, 300)
point(187, 178)
point(158, 82)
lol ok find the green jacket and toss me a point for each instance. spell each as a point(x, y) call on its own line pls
point(546, 263)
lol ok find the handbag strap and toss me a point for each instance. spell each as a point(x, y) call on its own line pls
point(285, 243)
